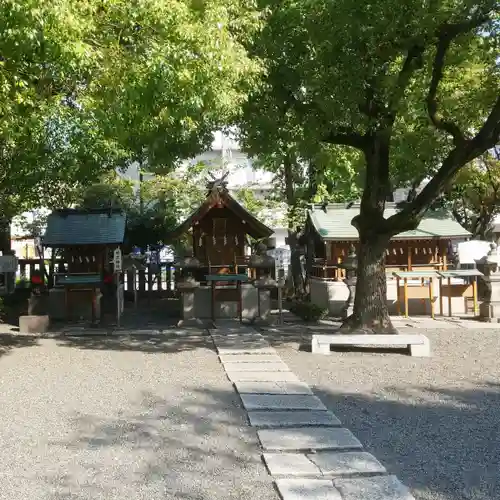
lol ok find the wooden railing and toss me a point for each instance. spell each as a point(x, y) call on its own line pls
point(330, 271)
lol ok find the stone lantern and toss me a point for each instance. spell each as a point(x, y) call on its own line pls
point(350, 264)
point(489, 310)
point(261, 261)
point(188, 285)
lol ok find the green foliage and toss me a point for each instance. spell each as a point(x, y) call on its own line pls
point(369, 75)
point(308, 311)
point(87, 86)
point(474, 197)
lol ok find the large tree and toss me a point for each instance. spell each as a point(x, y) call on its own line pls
point(87, 85)
point(413, 86)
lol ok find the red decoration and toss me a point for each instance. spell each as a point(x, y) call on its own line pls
point(108, 279)
point(37, 280)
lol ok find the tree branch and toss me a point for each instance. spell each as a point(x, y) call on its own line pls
point(488, 135)
point(412, 62)
point(346, 137)
point(445, 36)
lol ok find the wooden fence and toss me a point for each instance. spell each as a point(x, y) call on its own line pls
point(160, 283)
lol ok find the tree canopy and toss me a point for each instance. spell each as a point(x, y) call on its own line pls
point(88, 86)
point(474, 197)
point(413, 86)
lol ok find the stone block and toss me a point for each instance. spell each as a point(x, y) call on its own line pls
point(277, 419)
point(34, 324)
point(308, 489)
point(262, 377)
point(256, 367)
point(333, 463)
point(373, 488)
point(250, 358)
point(281, 402)
point(308, 438)
point(290, 464)
point(272, 388)
point(417, 343)
point(247, 349)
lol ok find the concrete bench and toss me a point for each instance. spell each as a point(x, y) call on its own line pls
point(417, 344)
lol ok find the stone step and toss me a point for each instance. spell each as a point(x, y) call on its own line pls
point(281, 402)
point(272, 388)
point(308, 438)
point(325, 463)
point(280, 419)
point(250, 358)
point(256, 367)
point(240, 349)
point(309, 489)
point(262, 377)
point(373, 488)
point(346, 463)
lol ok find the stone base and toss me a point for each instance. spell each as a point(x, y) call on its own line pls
point(34, 324)
point(417, 344)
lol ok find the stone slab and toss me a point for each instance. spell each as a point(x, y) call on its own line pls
point(250, 358)
point(34, 324)
point(290, 464)
point(256, 367)
point(373, 488)
point(281, 402)
point(240, 342)
point(239, 338)
point(418, 343)
point(245, 349)
point(272, 388)
point(273, 419)
point(308, 438)
point(333, 463)
point(308, 489)
point(262, 377)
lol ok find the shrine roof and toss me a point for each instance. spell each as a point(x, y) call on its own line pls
point(71, 227)
point(255, 228)
point(333, 223)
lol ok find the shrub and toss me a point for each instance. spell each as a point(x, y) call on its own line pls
point(308, 311)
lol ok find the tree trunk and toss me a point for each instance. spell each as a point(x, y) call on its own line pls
point(296, 269)
point(295, 265)
point(5, 236)
point(370, 314)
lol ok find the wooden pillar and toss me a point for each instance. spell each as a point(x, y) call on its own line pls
point(406, 296)
point(410, 250)
point(431, 297)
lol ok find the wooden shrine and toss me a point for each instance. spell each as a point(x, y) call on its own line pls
point(85, 240)
point(413, 260)
point(330, 235)
point(219, 232)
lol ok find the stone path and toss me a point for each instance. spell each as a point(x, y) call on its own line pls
point(306, 450)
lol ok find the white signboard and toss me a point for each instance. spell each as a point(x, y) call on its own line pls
point(117, 260)
point(471, 251)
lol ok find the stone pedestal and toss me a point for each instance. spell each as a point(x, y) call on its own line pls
point(489, 309)
point(348, 307)
point(34, 324)
point(264, 286)
point(188, 288)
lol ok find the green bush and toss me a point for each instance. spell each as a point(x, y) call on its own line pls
point(308, 311)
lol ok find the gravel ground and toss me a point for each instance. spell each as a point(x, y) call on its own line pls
point(433, 422)
point(123, 418)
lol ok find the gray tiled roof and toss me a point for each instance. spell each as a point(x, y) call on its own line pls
point(334, 223)
point(78, 227)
